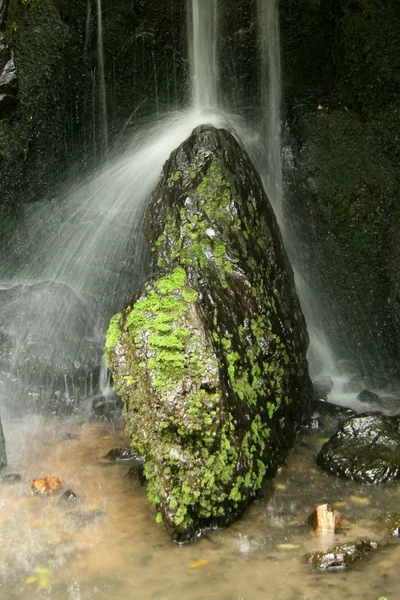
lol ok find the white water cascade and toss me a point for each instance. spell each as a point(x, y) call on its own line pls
point(81, 255)
point(202, 29)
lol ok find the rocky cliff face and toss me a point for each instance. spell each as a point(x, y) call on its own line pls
point(342, 66)
point(210, 357)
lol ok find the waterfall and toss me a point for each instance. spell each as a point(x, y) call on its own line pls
point(202, 29)
point(321, 358)
point(101, 79)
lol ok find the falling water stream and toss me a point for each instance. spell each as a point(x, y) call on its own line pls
point(81, 258)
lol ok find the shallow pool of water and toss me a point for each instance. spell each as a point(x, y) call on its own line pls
point(108, 545)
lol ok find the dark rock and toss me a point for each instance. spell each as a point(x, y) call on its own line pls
point(313, 424)
point(137, 473)
point(123, 454)
point(11, 478)
point(69, 496)
point(365, 449)
point(322, 387)
point(8, 79)
point(331, 410)
point(368, 397)
point(3, 456)
point(210, 357)
point(341, 557)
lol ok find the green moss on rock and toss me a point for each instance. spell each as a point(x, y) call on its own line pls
point(210, 360)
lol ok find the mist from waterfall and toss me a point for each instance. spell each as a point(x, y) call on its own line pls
point(81, 256)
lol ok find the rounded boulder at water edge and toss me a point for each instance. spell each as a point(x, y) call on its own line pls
point(365, 449)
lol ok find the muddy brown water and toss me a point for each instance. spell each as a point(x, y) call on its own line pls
point(108, 545)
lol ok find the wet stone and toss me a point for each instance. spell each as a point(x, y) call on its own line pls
point(325, 519)
point(123, 454)
point(69, 496)
point(136, 473)
point(47, 485)
point(368, 397)
point(391, 523)
point(215, 333)
point(365, 449)
point(343, 556)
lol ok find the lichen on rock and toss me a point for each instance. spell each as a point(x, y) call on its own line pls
point(210, 357)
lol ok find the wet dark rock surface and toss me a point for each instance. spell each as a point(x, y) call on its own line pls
point(123, 454)
point(368, 397)
point(210, 357)
point(8, 78)
point(365, 449)
point(69, 497)
point(329, 414)
point(136, 473)
point(391, 523)
point(343, 556)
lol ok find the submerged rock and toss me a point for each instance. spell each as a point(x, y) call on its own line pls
point(341, 557)
point(391, 523)
point(365, 449)
point(210, 357)
point(123, 454)
point(8, 79)
point(3, 456)
point(68, 497)
point(368, 397)
point(47, 485)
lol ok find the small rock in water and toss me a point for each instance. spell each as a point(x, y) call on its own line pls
point(313, 424)
point(325, 519)
point(11, 478)
point(137, 473)
point(69, 496)
point(391, 523)
point(47, 485)
point(119, 454)
point(368, 397)
point(341, 557)
point(365, 449)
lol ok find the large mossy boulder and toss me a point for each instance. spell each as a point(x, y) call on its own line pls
point(210, 357)
point(365, 449)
